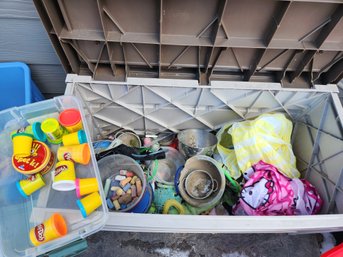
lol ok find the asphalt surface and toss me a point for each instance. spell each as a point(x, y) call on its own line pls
point(126, 244)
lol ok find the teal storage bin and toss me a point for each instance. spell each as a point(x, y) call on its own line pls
point(16, 85)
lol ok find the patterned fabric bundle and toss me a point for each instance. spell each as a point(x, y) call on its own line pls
point(268, 192)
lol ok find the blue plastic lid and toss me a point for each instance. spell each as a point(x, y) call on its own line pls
point(37, 132)
point(20, 190)
point(82, 136)
point(82, 209)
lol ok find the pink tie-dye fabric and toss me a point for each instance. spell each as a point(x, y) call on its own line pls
point(268, 192)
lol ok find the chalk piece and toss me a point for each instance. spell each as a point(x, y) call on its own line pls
point(139, 187)
point(129, 174)
point(116, 205)
point(127, 187)
point(123, 172)
point(133, 180)
point(115, 188)
point(133, 191)
point(107, 186)
point(120, 191)
point(115, 183)
point(109, 203)
point(125, 181)
point(125, 199)
point(120, 178)
point(115, 197)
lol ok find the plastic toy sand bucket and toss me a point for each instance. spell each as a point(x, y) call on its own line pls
point(53, 130)
point(41, 160)
point(71, 120)
point(110, 166)
point(77, 153)
point(164, 170)
point(196, 142)
point(22, 144)
point(129, 138)
point(89, 204)
point(28, 186)
point(85, 186)
point(199, 184)
point(52, 228)
point(64, 176)
point(75, 138)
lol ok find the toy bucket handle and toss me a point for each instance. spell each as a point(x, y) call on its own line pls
point(215, 185)
point(176, 179)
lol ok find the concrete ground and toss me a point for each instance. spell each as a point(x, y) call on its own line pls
point(125, 244)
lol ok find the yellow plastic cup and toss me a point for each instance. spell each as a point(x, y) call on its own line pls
point(53, 130)
point(89, 204)
point(64, 176)
point(30, 185)
point(71, 120)
point(77, 153)
point(85, 186)
point(22, 144)
point(52, 228)
point(75, 138)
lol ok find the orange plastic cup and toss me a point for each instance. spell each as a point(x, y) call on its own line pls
point(77, 153)
point(22, 143)
point(52, 228)
point(71, 120)
point(85, 186)
point(89, 204)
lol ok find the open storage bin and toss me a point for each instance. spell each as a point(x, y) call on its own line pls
point(16, 85)
point(153, 105)
point(18, 214)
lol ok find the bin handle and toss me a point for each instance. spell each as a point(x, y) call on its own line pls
point(72, 249)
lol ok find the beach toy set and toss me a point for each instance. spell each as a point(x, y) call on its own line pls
point(35, 154)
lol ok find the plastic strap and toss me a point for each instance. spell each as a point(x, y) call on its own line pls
point(234, 183)
point(154, 171)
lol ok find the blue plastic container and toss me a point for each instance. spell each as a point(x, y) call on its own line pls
point(16, 86)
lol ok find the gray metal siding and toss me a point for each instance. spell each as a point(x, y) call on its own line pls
point(23, 38)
